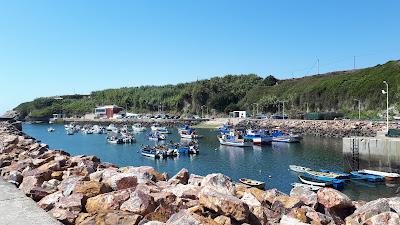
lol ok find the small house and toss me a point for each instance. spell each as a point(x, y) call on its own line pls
point(238, 114)
point(107, 111)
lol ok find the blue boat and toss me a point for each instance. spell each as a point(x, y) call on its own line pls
point(366, 176)
point(225, 129)
point(336, 183)
point(280, 136)
point(258, 137)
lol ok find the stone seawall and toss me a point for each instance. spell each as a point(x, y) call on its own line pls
point(326, 128)
point(83, 190)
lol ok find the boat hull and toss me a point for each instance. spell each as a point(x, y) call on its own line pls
point(234, 144)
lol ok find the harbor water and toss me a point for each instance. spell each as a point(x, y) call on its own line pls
point(268, 163)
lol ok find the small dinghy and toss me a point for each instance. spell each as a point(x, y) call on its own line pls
point(50, 129)
point(366, 176)
point(308, 186)
point(314, 182)
point(299, 169)
point(253, 183)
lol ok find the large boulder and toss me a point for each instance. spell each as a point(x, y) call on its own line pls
point(182, 177)
point(139, 203)
point(91, 188)
point(307, 196)
point(29, 183)
point(386, 218)
point(72, 202)
point(185, 217)
point(123, 180)
point(48, 202)
point(368, 210)
point(195, 179)
point(331, 198)
point(219, 183)
point(108, 217)
point(287, 220)
point(224, 204)
point(184, 191)
point(284, 203)
point(144, 174)
point(67, 185)
point(250, 200)
point(64, 215)
point(107, 201)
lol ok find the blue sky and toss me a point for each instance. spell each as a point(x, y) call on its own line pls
point(50, 47)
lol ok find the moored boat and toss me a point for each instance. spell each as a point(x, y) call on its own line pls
point(50, 129)
point(386, 175)
point(162, 130)
point(308, 186)
point(322, 181)
point(258, 137)
point(114, 140)
point(366, 176)
point(253, 183)
point(299, 169)
point(278, 135)
point(233, 140)
point(138, 127)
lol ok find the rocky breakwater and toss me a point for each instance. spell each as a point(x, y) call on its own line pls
point(327, 128)
point(82, 190)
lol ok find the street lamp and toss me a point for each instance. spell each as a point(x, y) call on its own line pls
point(359, 108)
point(387, 104)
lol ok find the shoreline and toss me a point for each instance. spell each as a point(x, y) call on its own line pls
point(83, 190)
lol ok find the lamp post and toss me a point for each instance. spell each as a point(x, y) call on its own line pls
point(387, 104)
point(359, 108)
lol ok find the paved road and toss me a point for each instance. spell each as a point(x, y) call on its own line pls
point(17, 209)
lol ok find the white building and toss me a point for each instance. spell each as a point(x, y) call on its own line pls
point(238, 114)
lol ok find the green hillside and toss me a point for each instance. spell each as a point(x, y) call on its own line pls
point(328, 92)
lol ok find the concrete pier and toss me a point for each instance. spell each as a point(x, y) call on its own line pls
point(380, 153)
point(17, 209)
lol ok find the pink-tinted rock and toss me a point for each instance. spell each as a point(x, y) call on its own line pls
point(181, 177)
point(307, 196)
point(67, 186)
point(71, 202)
point(195, 179)
point(123, 180)
point(331, 198)
point(49, 201)
point(108, 201)
point(38, 193)
point(29, 183)
point(368, 210)
point(139, 203)
point(219, 183)
point(64, 215)
point(386, 218)
point(91, 188)
point(225, 204)
point(185, 217)
point(184, 191)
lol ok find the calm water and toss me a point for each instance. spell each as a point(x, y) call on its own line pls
point(269, 163)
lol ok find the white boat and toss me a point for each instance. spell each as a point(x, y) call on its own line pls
point(159, 129)
point(388, 176)
point(50, 129)
point(71, 131)
point(258, 137)
point(299, 169)
point(233, 141)
point(308, 186)
point(112, 128)
point(138, 128)
point(97, 129)
point(68, 126)
point(314, 182)
point(189, 134)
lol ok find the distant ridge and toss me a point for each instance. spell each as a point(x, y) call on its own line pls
point(333, 91)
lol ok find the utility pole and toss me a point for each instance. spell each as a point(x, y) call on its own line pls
point(359, 108)
point(387, 104)
point(283, 109)
point(307, 107)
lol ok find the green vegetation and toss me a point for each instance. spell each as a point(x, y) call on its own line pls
point(332, 92)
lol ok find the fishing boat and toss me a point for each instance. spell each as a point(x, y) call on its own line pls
point(327, 175)
point(128, 139)
point(387, 176)
point(188, 133)
point(138, 127)
point(71, 131)
point(321, 181)
point(308, 186)
point(97, 129)
point(233, 139)
point(50, 129)
point(339, 175)
point(366, 176)
point(253, 183)
point(162, 130)
point(278, 135)
point(226, 128)
point(156, 136)
point(152, 152)
point(258, 137)
point(299, 169)
point(114, 140)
